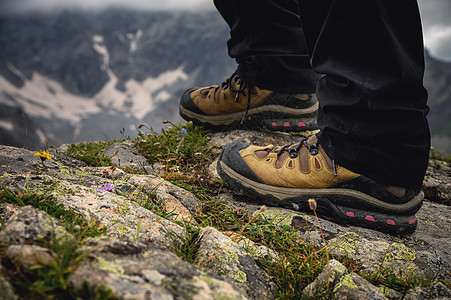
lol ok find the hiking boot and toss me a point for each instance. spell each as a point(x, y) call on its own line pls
point(234, 104)
point(291, 175)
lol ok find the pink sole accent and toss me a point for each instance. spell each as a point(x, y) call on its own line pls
point(411, 222)
point(350, 214)
point(274, 124)
point(370, 218)
point(286, 124)
point(391, 222)
point(301, 124)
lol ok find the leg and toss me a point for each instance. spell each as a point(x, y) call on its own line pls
point(268, 43)
point(274, 84)
point(366, 165)
point(373, 108)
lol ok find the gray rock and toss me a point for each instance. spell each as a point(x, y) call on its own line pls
point(164, 190)
point(26, 256)
point(390, 293)
point(426, 253)
point(225, 257)
point(123, 154)
point(145, 271)
point(32, 225)
point(6, 290)
point(336, 282)
point(437, 292)
point(437, 184)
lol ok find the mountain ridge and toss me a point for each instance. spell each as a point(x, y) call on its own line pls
point(122, 68)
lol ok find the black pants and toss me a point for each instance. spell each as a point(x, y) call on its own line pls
point(370, 56)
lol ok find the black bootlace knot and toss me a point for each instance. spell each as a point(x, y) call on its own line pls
point(227, 84)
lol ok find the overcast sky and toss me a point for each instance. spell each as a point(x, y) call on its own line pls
point(436, 14)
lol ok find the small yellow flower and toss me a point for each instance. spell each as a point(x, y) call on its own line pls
point(44, 155)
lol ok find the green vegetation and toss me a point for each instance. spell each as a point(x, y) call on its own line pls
point(51, 280)
point(89, 152)
point(438, 156)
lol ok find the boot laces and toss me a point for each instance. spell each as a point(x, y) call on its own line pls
point(313, 149)
point(242, 86)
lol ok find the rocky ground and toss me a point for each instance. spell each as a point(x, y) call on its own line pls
point(135, 257)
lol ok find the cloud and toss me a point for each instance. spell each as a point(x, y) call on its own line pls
point(436, 17)
point(437, 38)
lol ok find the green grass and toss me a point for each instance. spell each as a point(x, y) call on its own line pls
point(72, 221)
point(89, 152)
point(438, 156)
point(178, 147)
point(51, 281)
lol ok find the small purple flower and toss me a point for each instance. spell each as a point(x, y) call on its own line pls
point(105, 187)
point(182, 131)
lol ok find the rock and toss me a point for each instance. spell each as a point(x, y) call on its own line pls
point(122, 217)
point(336, 282)
point(146, 271)
point(426, 253)
point(164, 189)
point(26, 256)
point(224, 257)
point(123, 155)
point(32, 225)
point(390, 293)
point(6, 290)
point(7, 210)
point(19, 161)
point(213, 170)
point(437, 184)
point(437, 292)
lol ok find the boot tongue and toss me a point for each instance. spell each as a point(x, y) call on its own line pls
point(232, 83)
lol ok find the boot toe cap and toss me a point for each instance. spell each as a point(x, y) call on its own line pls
point(232, 158)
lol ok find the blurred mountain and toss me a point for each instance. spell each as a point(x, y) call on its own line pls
point(437, 79)
point(83, 76)
point(74, 76)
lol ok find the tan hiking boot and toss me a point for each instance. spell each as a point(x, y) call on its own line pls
point(291, 175)
point(234, 104)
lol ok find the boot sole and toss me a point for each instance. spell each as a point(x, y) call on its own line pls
point(272, 117)
point(360, 209)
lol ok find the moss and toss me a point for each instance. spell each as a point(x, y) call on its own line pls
point(225, 262)
point(387, 291)
point(402, 252)
point(240, 277)
point(350, 242)
point(279, 217)
point(179, 288)
point(407, 254)
point(346, 281)
point(223, 296)
point(209, 280)
point(228, 257)
point(105, 265)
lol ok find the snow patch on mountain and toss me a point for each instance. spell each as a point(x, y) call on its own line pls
point(134, 38)
point(44, 97)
